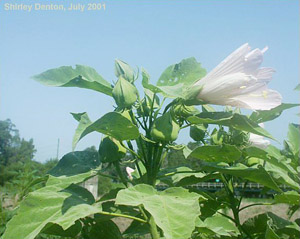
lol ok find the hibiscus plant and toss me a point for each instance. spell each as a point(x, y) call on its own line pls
point(137, 135)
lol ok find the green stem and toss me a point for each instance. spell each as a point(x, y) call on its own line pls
point(153, 228)
point(151, 111)
point(255, 204)
point(123, 215)
point(235, 210)
point(139, 170)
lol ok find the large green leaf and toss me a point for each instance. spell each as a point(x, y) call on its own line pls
point(170, 91)
point(267, 115)
point(217, 225)
point(136, 229)
point(289, 197)
point(174, 210)
point(255, 173)
point(84, 122)
point(294, 138)
point(271, 156)
point(104, 229)
point(115, 125)
point(56, 230)
point(276, 165)
point(76, 163)
point(217, 153)
point(181, 176)
point(281, 175)
point(60, 202)
point(186, 72)
point(80, 76)
point(269, 225)
point(236, 121)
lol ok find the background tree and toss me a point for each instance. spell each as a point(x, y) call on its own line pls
point(14, 151)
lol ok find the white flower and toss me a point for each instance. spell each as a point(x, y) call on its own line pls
point(129, 171)
point(259, 141)
point(238, 81)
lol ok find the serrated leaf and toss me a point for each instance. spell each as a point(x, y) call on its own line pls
point(217, 153)
point(174, 210)
point(185, 72)
point(236, 121)
point(115, 125)
point(267, 115)
point(84, 122)
point(80, 76)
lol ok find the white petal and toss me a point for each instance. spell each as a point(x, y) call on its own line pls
point(258, 141)
point(232, 64)
point(253, 60)
point(265, 74)
point(225, 87)
point(129, 171)
point(265, 99)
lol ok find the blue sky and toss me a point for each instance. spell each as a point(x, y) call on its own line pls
point(152, 34)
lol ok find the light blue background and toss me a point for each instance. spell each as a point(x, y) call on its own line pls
point(152, 34)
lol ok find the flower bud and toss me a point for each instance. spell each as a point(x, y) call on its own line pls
point(197, 132)
point(110, 150)
point(184, 111)
point(145, 107)
point(124, 93)
point(125, 70)
point(165, 129)
point(218, 137)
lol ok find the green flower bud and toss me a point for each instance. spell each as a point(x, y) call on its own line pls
point(124, 93)
point(165, 129)
point(145, 107)
point(197, 132)
point(110, 150)
point(125, 70)
point(218, 137)
point(184, 111)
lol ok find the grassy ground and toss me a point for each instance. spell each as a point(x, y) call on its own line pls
point(280, 210)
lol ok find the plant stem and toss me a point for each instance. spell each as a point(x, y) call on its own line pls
point(255, 204)
point(153, 228)
point(235, 210)
point(123, 215)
